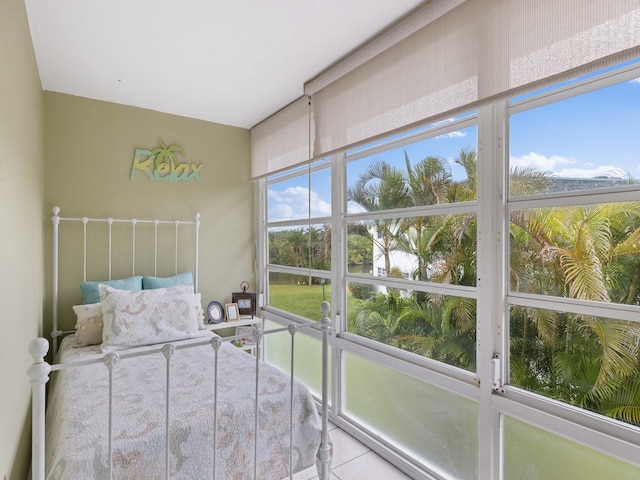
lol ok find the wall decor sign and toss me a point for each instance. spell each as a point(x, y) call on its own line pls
point(161, 164)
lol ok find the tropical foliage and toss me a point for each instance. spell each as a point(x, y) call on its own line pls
point(301, 247)
point(585, 252)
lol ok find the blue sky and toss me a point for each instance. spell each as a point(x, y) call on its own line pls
point(566, 139)
point(563, 139)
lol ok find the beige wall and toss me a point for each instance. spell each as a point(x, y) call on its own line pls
point(21, 201)
point(89, 153)
point(89, 148)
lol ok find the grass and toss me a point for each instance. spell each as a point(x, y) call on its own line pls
point(304, 300)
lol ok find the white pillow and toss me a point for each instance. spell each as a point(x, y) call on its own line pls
point(199, 311)
point(88, 324)
point(145, 317)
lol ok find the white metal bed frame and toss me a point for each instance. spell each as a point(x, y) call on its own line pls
point(56, 219)
point(39, 371)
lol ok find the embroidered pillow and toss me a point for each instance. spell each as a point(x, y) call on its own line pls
point(199, 311)
point(88, 324)
point(145, 317)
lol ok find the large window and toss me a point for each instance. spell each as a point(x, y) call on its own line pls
point(574, 263)
point(298, 246)
point(484, 277)
point(411, 223)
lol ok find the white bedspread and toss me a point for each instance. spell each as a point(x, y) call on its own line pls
point(77, 420)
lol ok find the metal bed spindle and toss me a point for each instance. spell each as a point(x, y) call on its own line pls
point(292, 330)
point(167, 350)
point(56, 219)
point(110, 361)
point(216, 343)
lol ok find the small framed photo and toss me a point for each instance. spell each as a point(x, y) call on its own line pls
point(232, 311)
point(247, 335)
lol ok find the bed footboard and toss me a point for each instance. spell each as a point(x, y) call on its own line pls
point(40, 370)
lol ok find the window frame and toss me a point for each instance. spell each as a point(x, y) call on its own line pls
point(492, 293)
point(612, 437)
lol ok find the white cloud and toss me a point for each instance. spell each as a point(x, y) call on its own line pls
point(292, 202)
point(455, 134)
point(540, 162)
point(558, 166)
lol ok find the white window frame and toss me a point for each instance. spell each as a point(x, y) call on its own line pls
point(613, 438)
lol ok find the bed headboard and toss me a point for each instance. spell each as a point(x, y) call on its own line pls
point(109, 248)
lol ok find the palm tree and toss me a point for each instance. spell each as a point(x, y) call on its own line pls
point(298, 240)
point(582, 252)
point(581, 359)
point(428, 182)
point(168, 155)
point(382, 187)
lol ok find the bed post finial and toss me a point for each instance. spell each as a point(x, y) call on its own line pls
point(56, 217)
point(38, 348)
point(324, 308)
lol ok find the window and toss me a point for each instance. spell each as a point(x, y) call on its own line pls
point(575, 250)
point(298, 242)
point(484, 277)
point(411, 213)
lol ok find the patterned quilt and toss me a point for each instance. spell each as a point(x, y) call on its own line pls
point(77, 418)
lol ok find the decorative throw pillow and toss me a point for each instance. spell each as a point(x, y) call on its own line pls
point(185, 278)
point(90, 289)
point(199, 310)
point(145, 317)
point(88, 324)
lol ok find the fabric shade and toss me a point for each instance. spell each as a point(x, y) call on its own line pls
point(479, 51)
point(282, 140)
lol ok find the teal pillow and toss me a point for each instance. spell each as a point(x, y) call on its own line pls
point(149, 283)
point(90, 289)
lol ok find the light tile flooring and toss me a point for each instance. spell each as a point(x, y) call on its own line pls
point(354, 461)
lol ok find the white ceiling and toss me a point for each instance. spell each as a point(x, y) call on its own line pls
point(233, 62)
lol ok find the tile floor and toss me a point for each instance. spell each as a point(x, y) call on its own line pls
point(354, 461)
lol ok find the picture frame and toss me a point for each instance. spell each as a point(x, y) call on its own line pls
point(215, 312)
point(232, 312)
point(247, 302)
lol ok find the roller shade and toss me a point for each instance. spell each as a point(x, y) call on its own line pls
point(477, 52)
point(282, 140)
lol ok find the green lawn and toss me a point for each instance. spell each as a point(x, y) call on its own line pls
point(303, 300)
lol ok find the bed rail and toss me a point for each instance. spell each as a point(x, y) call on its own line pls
point(57, 220)
point(40, 370)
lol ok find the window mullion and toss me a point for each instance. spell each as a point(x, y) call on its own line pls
point(338, 269)
point(490, 281)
